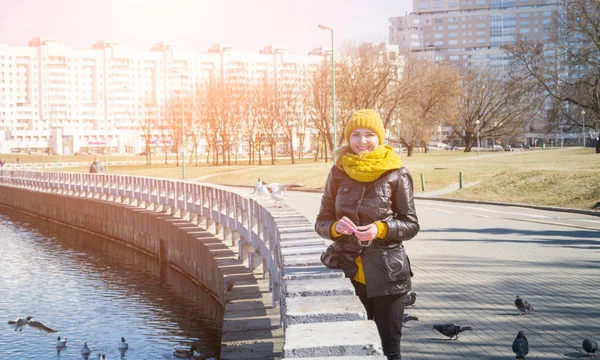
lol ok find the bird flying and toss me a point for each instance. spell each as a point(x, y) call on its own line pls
point(411, 298)
point(19, 322)
point(520, 346)
point(40, 326)
point(278, 191)
point(450, 330)
point(590, 346)
point(523, 305)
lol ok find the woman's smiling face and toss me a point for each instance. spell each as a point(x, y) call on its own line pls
point(363, 140)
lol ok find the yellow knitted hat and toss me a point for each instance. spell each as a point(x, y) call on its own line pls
point(365, 118)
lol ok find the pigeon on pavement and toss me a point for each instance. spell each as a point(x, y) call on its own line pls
point(523, 305)
point(450, 330)
point(228, 284)
point(278, 191)
point(411, 298)
point(520, 346)
point(590, 346)
point(408, 317)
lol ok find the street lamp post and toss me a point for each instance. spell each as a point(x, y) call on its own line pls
point(399, 123)
point(183, 139)
point(583, 118)
point(327, 27)
point(477, 124)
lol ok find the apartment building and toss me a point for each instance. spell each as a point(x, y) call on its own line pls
point(58, 99)
point(471, 32)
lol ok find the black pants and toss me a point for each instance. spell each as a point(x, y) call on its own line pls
point(387, 312)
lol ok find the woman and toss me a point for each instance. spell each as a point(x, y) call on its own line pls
point(368, 209)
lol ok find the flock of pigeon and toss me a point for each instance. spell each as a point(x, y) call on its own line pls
point(274, 190)
point(520, 346)
point(61, 344)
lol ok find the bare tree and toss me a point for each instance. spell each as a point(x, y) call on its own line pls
point(148, 125)
point(319, 104)
point(501, 105)
point(567, 62)
point(434, 90)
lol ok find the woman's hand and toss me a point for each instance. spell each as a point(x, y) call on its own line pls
point(367, 232)
point(345, 226)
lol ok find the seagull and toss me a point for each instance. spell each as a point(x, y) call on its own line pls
point(19, 322)
point(60, 343)
point(590, 346)
point(85, 350)
point(123, 345)
point(523, 305)
point(408, 317)
point(411, 298)
point(261, 190)
point(186, 354)
point(450, 330)
point(278, 191)
point(520, 346)
point(40, 326)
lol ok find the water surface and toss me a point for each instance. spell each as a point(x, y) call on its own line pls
point(92, 289)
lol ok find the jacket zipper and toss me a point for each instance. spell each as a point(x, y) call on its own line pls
point(362, 197)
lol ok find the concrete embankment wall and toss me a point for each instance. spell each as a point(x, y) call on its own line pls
point(180, 243)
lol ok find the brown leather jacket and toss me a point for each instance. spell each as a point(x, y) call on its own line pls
point(388, 199)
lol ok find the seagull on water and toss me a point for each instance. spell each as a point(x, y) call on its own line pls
point(61, 342)
point(184, 353)
point(85, 350)
point(123, 345)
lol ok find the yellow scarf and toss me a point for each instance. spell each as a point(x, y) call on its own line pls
point(367, 167)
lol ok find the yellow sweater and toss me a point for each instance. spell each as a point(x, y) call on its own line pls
point(382, 230)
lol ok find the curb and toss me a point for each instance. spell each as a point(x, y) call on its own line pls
point(465, 201)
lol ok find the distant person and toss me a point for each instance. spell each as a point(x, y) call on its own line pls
point(368, 209)
point(2, 162)
point(97, 167)
point(17, 160)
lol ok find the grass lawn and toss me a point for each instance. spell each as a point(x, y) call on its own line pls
point(567, 177)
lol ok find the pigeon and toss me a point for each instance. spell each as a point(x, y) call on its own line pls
point(123, 345)
point(228, 283)
point(85, 350)
point(523, 305)
point(278, 191)
point(61, 342)
point(590, 347)
point(186, 354)
point(408, 317)
point(520, 346)
point(261, 190)
point(450, 330)
point(411, 298)
point(19, 322)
